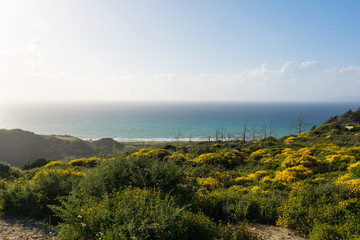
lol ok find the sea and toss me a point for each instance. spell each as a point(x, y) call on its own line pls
point(170, 121)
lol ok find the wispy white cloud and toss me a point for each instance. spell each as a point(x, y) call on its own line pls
point(24, 75)
point(165, 78)
point(292, 81)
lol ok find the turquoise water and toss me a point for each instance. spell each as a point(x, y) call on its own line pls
point(127, 121)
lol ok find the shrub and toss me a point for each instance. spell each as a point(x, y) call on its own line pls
point(9, 172)
point(132, 171)
point(293, 173)
point(150, 153)
point(33, 196)
point(208, 158)
point(355, 169)
point(325, 232)
point(85, 162)
point(301, 157)
point(226, 158)
point(135, 214)
point(338, 162)
point(37, 163)
point(233, 205)
point(309, 205)
point(54, 164)
point(259, 154)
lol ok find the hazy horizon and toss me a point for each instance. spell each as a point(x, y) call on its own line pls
point(176, 51)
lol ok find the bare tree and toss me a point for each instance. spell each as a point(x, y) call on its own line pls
point(178, 136)
point(291, 125)
point(301, 124)
point(264, 131)
point(244, 133)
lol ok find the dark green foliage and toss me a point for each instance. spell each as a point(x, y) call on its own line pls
point(356, 171)
point(37, 163)
point(325, 232)
point(316, 204)
point(4, 170)
point(32, 197)
point(137, 172)
point(8, 172)
point(136, 214)
point(235, 206)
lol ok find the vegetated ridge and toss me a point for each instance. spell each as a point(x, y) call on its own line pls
point(19, 147)
point(207, 190)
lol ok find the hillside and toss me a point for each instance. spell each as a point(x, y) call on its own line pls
point(18, 147)
point(204, 190)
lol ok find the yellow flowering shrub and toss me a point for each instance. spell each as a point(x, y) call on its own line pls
point(238, 188)
point(226, 158)
point(233, 156)
point(85, 162)
point(285, 152)
point(178, 156)
point(212, 182)
point(60, 172)
point(249, 178)
point(293, 173)
point(301, 157)
point(339, 161)
point(353, 186)
point(257, 189)
point(208, 183)
point(150, 153)
point(208, 158)
point(339, 158)
point(261, 153)
point(53, 164)
point(349, 183)
point(242, 180)
point(343, 178)
point(319, 180)
point(266, 180)
point(289, 140)
point(354, 165)
point(348, 203)
point(304, 135)
point(256, 175)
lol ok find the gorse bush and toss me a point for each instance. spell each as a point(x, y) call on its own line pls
point(85, 162)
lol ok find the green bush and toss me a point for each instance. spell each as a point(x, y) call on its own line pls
point(37, 163)
point(135, 214)
point(235, 206)
point(311, 204)
point(325, 232)
point(33, 196)
point(136, 172)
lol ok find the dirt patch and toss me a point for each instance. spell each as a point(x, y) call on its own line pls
point(267, 232)
point(24, 229)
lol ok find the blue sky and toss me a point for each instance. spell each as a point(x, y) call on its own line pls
point(181, 50)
